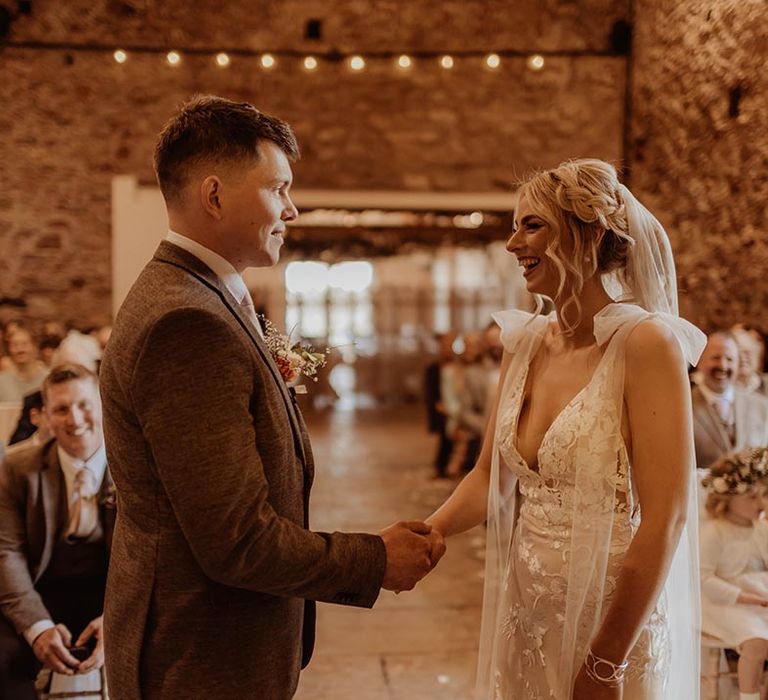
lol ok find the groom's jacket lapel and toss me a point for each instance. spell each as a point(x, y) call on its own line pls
point(173, 255)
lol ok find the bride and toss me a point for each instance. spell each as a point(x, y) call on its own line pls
point(586, 474)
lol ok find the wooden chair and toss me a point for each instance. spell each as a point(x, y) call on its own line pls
point(89, 686)
point(718, 681)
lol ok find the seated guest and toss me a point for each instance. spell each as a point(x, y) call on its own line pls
point(750, 377)
point(26, 373)
point(8, 328)
point(724, 417)
point(56, 521)
point(79, 348)
point(48, 346)
point(734, 563)
point(33, 425)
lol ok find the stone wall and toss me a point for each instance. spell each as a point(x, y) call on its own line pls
point(72, 117)
point(700, 148)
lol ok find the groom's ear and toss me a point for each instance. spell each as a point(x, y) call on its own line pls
point(210, 190)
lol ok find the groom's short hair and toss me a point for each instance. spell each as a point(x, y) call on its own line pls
point(216, 130)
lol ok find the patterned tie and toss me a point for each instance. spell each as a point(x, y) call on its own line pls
point(247, 305)
point(724, 409)
point(84, 511)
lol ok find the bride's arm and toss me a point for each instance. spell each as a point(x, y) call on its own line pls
point(468, 504)
point(658, 400)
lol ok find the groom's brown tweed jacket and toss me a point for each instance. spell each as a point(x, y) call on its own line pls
point(212, 560)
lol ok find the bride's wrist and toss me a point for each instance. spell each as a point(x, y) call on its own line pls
point(609, 648)
point(605, 671)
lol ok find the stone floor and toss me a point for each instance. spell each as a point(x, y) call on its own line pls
point(373, 467)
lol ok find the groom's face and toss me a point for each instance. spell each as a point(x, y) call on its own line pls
point(258, 207)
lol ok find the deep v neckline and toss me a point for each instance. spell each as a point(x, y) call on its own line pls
point(519, 409)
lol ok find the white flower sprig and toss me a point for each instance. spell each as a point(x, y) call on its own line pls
point(292, 359)
point(737, 472)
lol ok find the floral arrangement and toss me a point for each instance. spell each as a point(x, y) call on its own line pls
point(737, 472)
point(292, 359)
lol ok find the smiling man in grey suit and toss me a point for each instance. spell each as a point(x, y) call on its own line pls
point(214, 569)
point(724, 417)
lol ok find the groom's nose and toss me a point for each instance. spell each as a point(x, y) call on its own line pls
point(290, 212)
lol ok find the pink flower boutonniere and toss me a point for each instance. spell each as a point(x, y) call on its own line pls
point(292, 359)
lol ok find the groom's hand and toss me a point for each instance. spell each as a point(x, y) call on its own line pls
point(408, 554)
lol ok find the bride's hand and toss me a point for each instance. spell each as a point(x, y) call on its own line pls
point(437, 547)
point(587, 689)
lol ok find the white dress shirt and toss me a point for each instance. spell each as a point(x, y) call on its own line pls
point(717, 399)
point(221, 267)
point(97, 463)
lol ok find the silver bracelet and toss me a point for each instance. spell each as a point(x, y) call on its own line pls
point(604, 671)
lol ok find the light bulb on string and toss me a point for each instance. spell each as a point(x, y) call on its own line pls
point(173, 58)
point(310, 63)
point(120, 56)
point(493, 61)
point(536, 62)
point(446, 62)
point(222, 59)
point(404, 62)
point(268, 61)
point(357, 63)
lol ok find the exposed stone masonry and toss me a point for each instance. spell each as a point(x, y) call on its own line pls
point(700, 148)
point(71, 119)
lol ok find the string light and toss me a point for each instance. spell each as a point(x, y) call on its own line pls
point(355, 62)
point(536, 62)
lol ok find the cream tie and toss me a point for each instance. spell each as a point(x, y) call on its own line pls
point(723, 407)
point(84, 513)
point(247, 305)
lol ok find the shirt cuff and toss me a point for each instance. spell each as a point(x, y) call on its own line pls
point(33, 632)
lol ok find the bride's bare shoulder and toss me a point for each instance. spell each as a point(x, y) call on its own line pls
point(652, 344)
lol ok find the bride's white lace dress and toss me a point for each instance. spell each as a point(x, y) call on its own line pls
point(558, 535)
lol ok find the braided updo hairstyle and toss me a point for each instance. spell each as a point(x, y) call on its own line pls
point(582, 200)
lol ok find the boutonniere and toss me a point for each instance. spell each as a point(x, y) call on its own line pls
point(109, 496)
point(294, 360)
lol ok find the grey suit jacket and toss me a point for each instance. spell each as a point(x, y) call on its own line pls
point(212, 559)
point(31, 483)
point(711, 438)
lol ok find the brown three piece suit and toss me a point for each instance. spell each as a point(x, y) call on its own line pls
point(213, 569)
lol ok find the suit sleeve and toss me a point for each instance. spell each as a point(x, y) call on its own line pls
point(19, 601)
point(196, 414)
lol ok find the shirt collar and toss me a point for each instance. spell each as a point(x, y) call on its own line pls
point(220, 266)
point(97, 463)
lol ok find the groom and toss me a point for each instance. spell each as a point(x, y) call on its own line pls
point(214, 571)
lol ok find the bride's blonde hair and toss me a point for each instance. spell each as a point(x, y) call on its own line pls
point(582, 203)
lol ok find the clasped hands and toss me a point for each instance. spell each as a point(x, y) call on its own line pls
point(52, 648)
point(413, 549)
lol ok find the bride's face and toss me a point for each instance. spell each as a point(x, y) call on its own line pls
point(530, 237)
